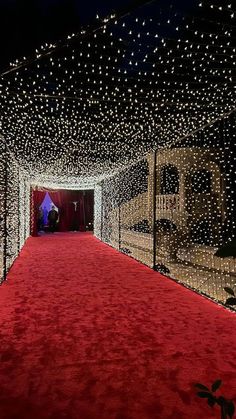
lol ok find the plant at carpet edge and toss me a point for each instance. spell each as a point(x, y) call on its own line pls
point(231, 300)
point(227, 406)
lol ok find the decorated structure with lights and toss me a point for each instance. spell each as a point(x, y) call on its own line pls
point(142, 111)
point(15, 209)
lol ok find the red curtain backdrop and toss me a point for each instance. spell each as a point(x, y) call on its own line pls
point(86, 201)
point(37, 198)
point(59, 198)
point(89, 207)
point(75, 211)
point(71, 217)
point(82, 217)
point(67, 211)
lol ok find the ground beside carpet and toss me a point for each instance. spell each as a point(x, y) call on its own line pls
point(89, 333)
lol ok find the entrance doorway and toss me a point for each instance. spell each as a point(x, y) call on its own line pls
point(75, 210)
point(45, 207)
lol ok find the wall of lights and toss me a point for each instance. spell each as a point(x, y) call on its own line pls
point(189, 190)
point(92, 109)
point(14, 210)
point(98, 211)
point(105, 96)
point(135, 215)
point(110, 211)
point(2, 211)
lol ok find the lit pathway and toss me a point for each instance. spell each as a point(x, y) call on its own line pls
point(87, 332)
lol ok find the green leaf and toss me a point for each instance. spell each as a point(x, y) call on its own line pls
point(211, 401)
point(230, 409)
point(204, 394)
point(201, 387)
point(221, 401)
point(231, 301)
point(229, 290)
point(216, 385)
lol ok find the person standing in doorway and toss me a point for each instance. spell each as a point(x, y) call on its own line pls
point(45, 215)
point(52, 219)
point(40, 219)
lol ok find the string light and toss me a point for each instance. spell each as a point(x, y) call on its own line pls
point(194, 215)
point(71, 111)
point(86, 111)
point(15, 209)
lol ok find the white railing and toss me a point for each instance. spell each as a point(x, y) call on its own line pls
point(167, 203)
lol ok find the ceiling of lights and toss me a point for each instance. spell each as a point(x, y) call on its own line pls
point(119, 88)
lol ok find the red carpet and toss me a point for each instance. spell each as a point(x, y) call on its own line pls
point(89, 333)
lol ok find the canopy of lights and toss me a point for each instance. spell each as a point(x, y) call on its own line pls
point(127, 84)
point(140, 107)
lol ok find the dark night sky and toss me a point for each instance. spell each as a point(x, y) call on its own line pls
point(26, 24)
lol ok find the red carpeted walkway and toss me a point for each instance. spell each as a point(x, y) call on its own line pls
point(89, 333)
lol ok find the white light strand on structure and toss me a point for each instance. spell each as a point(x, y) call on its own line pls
point(100, 104)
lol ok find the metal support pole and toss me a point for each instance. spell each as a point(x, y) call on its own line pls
point(18, 244)
point(84, 214)
point(101, 210)
point(154, 208)
point(119, 203)
point(5, 216)
point(25, 210)
point(93, 204)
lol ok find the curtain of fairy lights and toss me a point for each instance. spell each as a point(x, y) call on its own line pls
point(195, 209)
point(2, 211)
point(126, 208)
point(110, 211)
point(135, 215)
point(193, 201)
point(14, 210)
point(107, 95)
point(24, 207)
point(158, 78)
point(27, 209)
point(98, 211)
